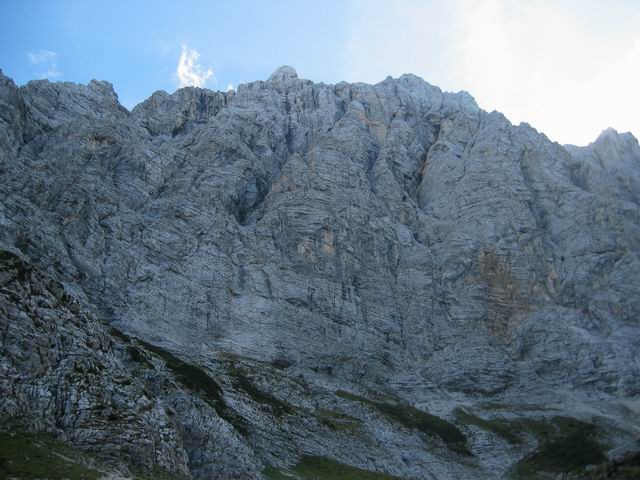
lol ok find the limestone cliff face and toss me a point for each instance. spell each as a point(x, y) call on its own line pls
point(392, 241)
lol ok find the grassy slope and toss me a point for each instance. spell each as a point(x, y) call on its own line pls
point(417, 419)
point(40, 456)
point(321, 468)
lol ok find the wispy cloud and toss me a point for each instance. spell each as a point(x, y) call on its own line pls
point(568, 68)
point(229, 87)
point(189, 72)
point(46, 61)
point(42, 56)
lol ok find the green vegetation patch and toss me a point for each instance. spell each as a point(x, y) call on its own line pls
point(41, 456)
point(353, 397)
point(139, 356)
point(31, 456)
point(119, 334)
point(273, 473)
point(500, 426)
point(417, 419)
point(197, 380)
point(242, 382)
point(519, 407)
point(548, 429)
point(545, 429)
point(567, 445)
point(191, 376)
point(338, 422)
point(322, 468)
point(626, 469)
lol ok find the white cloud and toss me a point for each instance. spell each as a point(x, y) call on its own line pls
point(47, 62)
point(229, 87)
point(189, 72)
point(568, 67)
point(42, 56)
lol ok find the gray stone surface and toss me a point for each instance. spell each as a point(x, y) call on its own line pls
point(390, 240)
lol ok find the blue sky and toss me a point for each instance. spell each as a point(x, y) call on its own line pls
point(568, 67)
point(136, 44)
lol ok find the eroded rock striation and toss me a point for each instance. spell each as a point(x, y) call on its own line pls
point(241, 284)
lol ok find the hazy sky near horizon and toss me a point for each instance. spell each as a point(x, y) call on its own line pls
point(570, 68)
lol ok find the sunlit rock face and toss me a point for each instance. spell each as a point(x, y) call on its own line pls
point(392, 241)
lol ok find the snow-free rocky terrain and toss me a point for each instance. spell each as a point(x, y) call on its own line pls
point(300, 280)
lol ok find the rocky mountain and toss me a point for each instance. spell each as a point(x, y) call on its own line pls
point(300, 280)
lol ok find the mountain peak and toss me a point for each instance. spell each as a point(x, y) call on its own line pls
point(283, 74)
point(623, 141)
point(607, 134)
